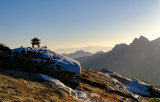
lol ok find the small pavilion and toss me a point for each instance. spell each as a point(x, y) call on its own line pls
point(35, 41)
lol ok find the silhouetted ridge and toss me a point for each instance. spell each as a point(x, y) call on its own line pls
point(78, 54)
point(140, 59)
point(119, 47)
point(142, 38)
point(141, 41)
point(156, 41)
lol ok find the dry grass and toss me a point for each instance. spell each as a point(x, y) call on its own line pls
point(94, 82)
point(101, 96)
point(17, 89)
point(17, 86)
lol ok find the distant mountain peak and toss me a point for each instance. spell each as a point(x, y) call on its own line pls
point(141, 40)
point(79, 53)
point(119, 47)
point(99, 52)
point(136, 39)
point(139, 59)
point(92, 49)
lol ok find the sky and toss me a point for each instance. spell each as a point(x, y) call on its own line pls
point(61, 24)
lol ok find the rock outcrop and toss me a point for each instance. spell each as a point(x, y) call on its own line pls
point(43, 61)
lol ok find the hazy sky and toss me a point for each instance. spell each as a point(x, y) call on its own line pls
point(77, 23)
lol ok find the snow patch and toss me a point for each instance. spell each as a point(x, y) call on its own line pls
point(60, 84)
point(117, 83)
point(39, 60)
point(110, 88)
point(66, 64)
point(80, 95)
point(87, 97)
point(134, 95)
point(83, 96)
point(133, 85)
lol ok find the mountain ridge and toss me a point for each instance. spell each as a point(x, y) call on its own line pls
point(138, 59)
point(91, 49)
point(78, 54)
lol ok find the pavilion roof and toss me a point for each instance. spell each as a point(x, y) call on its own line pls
point(35, 39)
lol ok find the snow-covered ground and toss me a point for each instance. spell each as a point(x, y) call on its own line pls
point(39, 60)
point(67, 64)
point(133, 85)
point(60, 84)
point(83, 96)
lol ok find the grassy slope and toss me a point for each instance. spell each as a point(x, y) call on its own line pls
point(28, 87)
point(93, 82)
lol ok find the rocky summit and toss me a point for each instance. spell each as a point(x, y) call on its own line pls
point(38, 60)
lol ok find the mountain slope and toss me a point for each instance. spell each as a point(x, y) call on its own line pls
point(102, 85)
point(112, 86)
point(139, 59)
point(78, 54)
point(22, 79)
point(16, 85)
